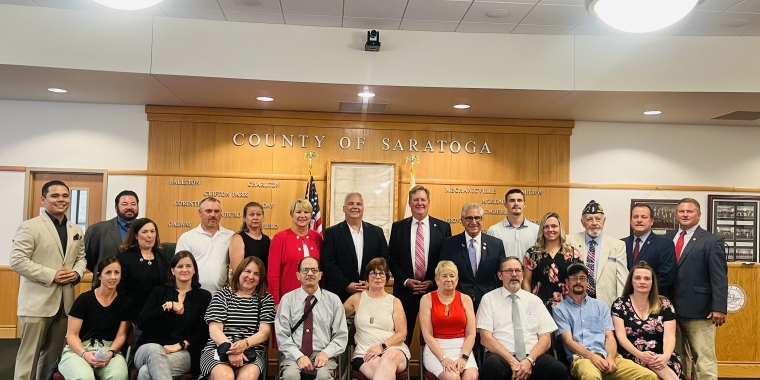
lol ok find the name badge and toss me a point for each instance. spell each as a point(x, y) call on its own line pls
point(612, 259)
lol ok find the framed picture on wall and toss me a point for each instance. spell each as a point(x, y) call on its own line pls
point(377, 182)
point(665, 214)
point(735, 219)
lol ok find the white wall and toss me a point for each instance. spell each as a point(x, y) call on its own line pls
point(68, 136)
point(656, 154)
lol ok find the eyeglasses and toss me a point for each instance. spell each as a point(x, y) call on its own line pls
point(510, 271)
point(470, 219)
point(578, 278)
point(307, 270)
point(377, 274)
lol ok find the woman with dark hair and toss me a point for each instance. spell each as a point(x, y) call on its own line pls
point(240, 319)
point(250, 240)
point(380, 322)
point(645, 324)
point(98, 321)
point(144, 265)
point(173, 329)
point(546, 262)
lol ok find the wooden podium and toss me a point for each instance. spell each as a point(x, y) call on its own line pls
point(738, 341)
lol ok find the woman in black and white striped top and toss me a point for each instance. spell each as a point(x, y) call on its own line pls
point(240, 314)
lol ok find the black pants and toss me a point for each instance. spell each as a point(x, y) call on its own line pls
point(546, 368)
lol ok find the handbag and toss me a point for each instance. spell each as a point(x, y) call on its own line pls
point(249, 353)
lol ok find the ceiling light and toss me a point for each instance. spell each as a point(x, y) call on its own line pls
point(640, 16)
point(366, 94)
point(57, 90)
point(497, 13)
point(265, 99)
point(128, 5)
point(461, 106)
point(652, 112)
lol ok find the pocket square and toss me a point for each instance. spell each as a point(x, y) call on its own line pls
point(77, 237)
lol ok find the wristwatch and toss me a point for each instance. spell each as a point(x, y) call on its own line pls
point(532, 362)
point(181, 344)
point(383, 346)
point(465, 357)
point(444, 357)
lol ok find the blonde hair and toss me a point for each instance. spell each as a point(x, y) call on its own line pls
point(417, 188)
point(541, 242)
point(301, 205)
point(446, 265)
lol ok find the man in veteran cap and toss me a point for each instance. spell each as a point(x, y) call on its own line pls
point(603, 255)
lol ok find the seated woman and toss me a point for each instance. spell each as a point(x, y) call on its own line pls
point(380, 324)
point(173, 329)
point(98, 321)
point(645, 324)
point(144, 266)
point(447, 322)
point(240, 319)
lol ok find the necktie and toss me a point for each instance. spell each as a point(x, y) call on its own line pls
point(636, 250)
point(419, 253)
point(517, 324)
point(473, 257)
point(308, 325)
point(679, 245)
point(590, 262)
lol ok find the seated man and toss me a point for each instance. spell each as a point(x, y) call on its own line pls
point(587, 332)
point(514, 327)
point(310, 326)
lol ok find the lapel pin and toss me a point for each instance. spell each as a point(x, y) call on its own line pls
point(648, 242)
point(484, 248)
point(693, 239)
point(462, 245)
point(435, 225)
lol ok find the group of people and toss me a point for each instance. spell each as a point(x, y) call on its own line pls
point(502, 299)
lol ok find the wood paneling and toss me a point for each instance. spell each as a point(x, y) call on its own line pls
point(745, 323)
point(9, 283)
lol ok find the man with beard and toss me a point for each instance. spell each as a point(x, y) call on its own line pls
point(310, 327)
point(604, 255)
point(209, 243)
point(585, 325)
point(515, 328)
point(103, 239)
point(515, 231)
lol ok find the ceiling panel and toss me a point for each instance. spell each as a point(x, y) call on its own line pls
point(717, 5)
point(20, 2)
point(541, 29)
point(752, 6)
point(563, 15)
point(258, 6)
point(564, 2)
point(508, 1)
point(431, 26)
point(729, 23)
point(312, 7)
point(753, 32)
point(206, 5)
point(477, 12)
point(387, 9)
point(484, 27)
point(194, 13)
point(293, 19)
point(436, 10)
point(371, 23)
point(264, 18)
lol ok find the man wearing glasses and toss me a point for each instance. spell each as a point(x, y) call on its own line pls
point(514, 327)
point(585, 325)
point(477, 255)
point(310, 326)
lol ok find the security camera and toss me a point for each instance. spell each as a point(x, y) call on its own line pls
point(373, 41)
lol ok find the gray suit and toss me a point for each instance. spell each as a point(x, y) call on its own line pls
point(102, 240)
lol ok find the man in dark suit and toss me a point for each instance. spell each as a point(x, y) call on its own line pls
point(701, 290)
point(476, 255)
point(658, 252)
point(103, 239)
point(347, 248)
point(414, 250)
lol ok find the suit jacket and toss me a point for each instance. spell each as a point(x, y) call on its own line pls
point(612, 271)
point(339, 260)
point(660, 254)
point(101, 240)
point(701, 284)
point(491, 253)
point(37, 255)
point(136, 283)
point(400, 252)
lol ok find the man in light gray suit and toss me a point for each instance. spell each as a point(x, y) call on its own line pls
point(104, 238)
point(48, 253)
point(700, 291)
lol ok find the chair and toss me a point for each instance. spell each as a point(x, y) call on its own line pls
point(356, 374)
point(128, 344)
point(424, 374)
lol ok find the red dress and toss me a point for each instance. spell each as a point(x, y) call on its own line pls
point(285, 252)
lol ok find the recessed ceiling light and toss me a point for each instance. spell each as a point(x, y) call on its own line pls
point(57, 90)
point(640, 16)
point(652, 112)
point(366, 94)
point(461, 106)
point(265, 99)
point(497, 13)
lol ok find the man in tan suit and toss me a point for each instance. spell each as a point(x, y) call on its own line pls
point(603, 255)
point(48, 253)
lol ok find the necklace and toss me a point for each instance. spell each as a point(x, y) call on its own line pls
point(372, 310)
point(150, 261)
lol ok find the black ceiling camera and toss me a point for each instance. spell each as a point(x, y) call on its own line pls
point(373, 41)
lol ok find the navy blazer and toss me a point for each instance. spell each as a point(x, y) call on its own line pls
point(660, 254)
point(339, 260)
point(701, 284)
point(491, 253)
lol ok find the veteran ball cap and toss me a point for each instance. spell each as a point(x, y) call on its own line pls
point(593, 208)
point(575, 268)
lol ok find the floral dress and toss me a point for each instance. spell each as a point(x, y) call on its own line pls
point(646, 334)
point(548, 280)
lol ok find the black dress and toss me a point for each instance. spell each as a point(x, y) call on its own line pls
point(140, 276)
point(258, 248)
point(548, 280)
point(646, 334)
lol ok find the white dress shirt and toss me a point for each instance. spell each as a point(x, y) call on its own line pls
point(687, 237)
point(358, 238)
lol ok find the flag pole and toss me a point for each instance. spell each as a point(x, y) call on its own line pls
point(413, 159)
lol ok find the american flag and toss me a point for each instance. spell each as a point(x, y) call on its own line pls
point(316, 215)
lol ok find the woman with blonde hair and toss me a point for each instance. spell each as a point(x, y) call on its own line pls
point(250, 240)
point(447, 322)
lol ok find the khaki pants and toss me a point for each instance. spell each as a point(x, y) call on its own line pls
point(695, 343)
point(584, 369)
point(42, 340)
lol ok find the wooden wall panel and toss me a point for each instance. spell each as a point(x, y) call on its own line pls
point(737, 339)
point(9, 283)
point(164, 146)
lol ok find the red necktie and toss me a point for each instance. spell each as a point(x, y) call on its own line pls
point(308, 325)
point(636, 250)
point(679, 245)
point(419, 253)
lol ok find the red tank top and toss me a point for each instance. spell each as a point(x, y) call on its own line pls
point(451, 326)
